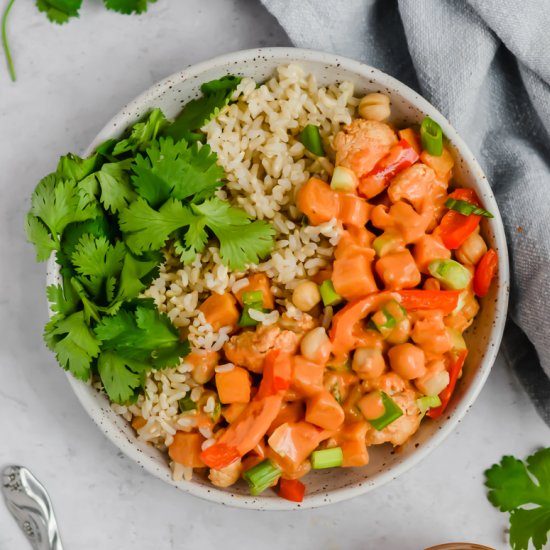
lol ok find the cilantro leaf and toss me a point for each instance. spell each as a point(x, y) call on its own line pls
point(99, 226)
point(114, 181)
point(128, 6)
point(148, 229)
point(121, 377)
point(186, 254)
point(144, 132)
point(176, 170)
point(514, 484)
point(97, 257)
point(529, 524)
point(58, 203)
point(238, 245)
point(198, 112)
point(61, 299)
point(226, 83)
point(59, 11)
point(90, 309)
point(72, 167)
point(74, 344)
point(136, 275)
point(38, 234)
point(143, 335)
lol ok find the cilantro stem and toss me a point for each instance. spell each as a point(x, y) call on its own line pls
point(5, 44)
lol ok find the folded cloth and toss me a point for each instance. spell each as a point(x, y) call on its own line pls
point(486, 65)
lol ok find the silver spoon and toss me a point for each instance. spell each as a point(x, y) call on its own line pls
point(30, 505)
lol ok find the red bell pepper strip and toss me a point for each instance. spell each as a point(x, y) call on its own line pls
point(249, 428)
point(344, 323)
point(401, 156)
point(454, 227)
point(292, 489)
point(276, 374)
point(445, 395)
point(219, 456)
point(445, 300)
point(485, 271)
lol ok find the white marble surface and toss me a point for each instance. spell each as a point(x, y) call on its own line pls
point(71, 80)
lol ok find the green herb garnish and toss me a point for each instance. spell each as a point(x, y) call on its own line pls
point(107, 219)
point(523, 489)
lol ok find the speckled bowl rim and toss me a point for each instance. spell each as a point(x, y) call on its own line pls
point(448, 424)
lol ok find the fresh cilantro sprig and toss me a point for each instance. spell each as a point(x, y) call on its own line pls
point(242, 241)
point(523, 489)
point(108, 218)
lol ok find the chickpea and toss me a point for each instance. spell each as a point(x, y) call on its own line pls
point(408, 361)
point(471, 250)
point(400, 334)
point(371, 405)
point(368, 362)
point(306, 296)
point(316, 346)
point(375, 106)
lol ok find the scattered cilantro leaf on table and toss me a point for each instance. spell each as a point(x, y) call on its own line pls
point(128, 6)
point(59, 11)
point(523, 489)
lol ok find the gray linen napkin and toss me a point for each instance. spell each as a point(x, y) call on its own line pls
point(486, 65)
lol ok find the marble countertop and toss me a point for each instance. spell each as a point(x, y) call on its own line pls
point(71, 79)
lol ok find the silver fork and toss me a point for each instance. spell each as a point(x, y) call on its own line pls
point(30, 505)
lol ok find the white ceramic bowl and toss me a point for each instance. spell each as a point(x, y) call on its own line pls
point(328, 486)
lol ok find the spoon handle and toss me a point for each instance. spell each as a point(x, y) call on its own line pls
point(30, 505)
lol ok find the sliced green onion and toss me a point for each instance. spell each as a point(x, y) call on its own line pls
point(391, 413)
point(343, 179)
point(383, 321)
point(386, 243)
point(253, 297)
point(327, 458)
point(466, 208)
point(431, 136)
point(246, 320)
point(217, 412)
point(186, 404)
point(461, 302)
point(457, 339)
point(311, 140)
point(428, 402)
point(335, 390)
point(450, 274)
point(262, 476)
point(329, 296)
